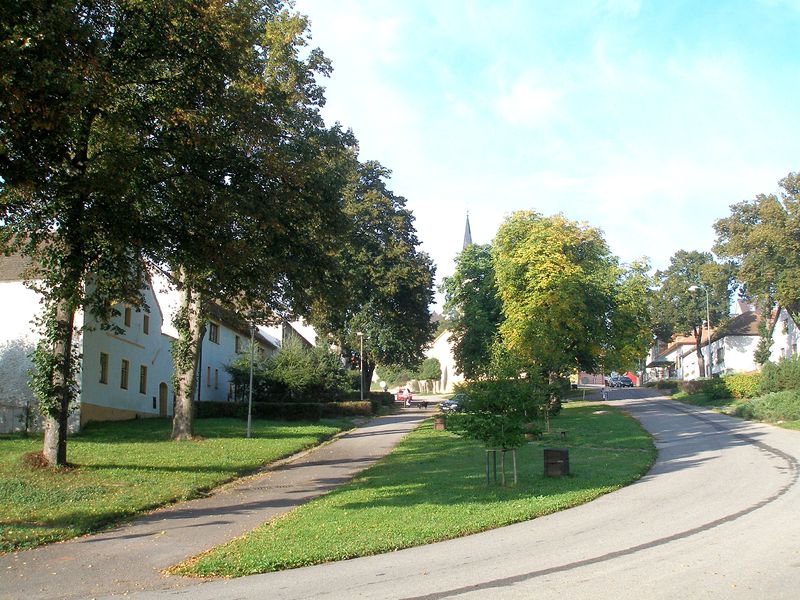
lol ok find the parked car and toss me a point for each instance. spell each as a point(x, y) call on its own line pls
point(620, 382)
point(454, 404)
point(404, 396)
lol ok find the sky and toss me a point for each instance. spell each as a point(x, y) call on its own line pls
point(646, 119)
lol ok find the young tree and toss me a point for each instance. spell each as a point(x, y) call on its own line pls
point(384, 283)
point(556, 279)
point(685, 309)
point(474, 310)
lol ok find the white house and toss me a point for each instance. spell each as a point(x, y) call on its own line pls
point(121, 375)
point(227, 337)
point(733, 346)
point(785, 336)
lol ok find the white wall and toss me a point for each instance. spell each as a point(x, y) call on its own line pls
point(785, 337)
point(737, 354)
point(151, 350)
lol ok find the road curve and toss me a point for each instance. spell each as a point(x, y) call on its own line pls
point(716, 517)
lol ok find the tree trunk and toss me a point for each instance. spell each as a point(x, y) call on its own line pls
point(55, 430)
point(369, 369)
point(701, 360)
point(186, 350)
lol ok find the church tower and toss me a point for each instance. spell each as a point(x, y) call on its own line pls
point(467, 235)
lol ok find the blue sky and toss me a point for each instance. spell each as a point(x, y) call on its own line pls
point(645, 119)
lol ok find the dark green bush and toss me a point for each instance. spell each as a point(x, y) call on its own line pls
point(213, 410)
point(347, 409)
point(666, 384)
point(773, 407)
point(785, 375)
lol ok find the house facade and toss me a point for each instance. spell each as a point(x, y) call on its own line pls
point(785, 336)
point(125, 371)
point(442, 349)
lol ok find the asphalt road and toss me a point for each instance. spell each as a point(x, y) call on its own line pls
point(716, 517)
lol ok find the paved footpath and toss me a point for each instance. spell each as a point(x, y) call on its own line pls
point(130, 558)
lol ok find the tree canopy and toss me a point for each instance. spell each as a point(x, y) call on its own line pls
point(473, 309)
point(684, 310)
point(556, 279)
point(384, 284)
point(762, 237)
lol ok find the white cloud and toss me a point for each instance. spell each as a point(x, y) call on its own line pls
point(526, 102)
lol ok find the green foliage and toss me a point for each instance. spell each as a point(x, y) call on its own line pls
point(382, 283)
point(124, 468)
point(430, 369)
point(772, 407)
point(295, 373)
point(761, 235)
point(566, 302)
point(683, 311)
point(394, 374)
point(497, 412)
point(432, 488)
point(785, 375)
point(743, 385)
point(474, 310)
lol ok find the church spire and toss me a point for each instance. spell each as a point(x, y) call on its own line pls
point(467, 235)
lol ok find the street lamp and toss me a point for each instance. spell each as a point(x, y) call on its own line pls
point(250, 389)
point(361, 361)
point(694, 288)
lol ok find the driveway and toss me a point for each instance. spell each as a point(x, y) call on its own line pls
point(716, 517)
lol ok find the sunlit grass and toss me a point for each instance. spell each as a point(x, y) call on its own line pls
point(433, 487)
point(123, 468)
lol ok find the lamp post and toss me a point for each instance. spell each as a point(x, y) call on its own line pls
point(361, 361)
point(694, 288)
point(250, 389)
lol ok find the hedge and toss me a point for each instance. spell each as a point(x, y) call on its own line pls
point(284, 411)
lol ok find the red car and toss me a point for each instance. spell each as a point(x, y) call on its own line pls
point(404, 395)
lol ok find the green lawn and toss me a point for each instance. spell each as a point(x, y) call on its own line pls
point(123, 468)
point(433, 487)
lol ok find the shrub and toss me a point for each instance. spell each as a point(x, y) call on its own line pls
point(347, 409)
point(498, 412)
point(666, 384)
point(743, 385)
point(773, 407)
point(784, 375)
point(695, 386)
point(715, 388)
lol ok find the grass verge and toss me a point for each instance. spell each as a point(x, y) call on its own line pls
point(433, 487)
point(124, 468)
point(779, 408)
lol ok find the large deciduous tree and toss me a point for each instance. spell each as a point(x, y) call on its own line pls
point(684, 310)
point(181, 134)
point(474, 310)
point(384, 283)
point(556, 279)
point(762, 237)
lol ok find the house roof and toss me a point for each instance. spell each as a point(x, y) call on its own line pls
point(741, 325)
point(237, 323)
point(13, 266)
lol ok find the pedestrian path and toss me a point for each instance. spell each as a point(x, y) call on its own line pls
point(131, 557)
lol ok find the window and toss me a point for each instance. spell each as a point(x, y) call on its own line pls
point(103, 367)
point(127, 316)
point(208, 377)
point(142, 379)
point(213, 332)
point(238, 345)
point(216, 379)
point(123, 374)
point(146, 324)
point(720, 355)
